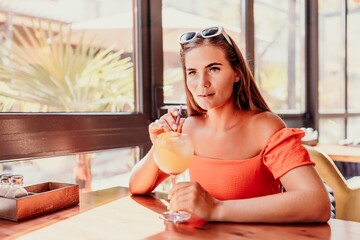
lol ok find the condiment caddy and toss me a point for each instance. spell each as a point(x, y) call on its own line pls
point(18, 203)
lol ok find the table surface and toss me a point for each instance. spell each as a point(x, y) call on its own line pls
point(115, 214)
point(341, 153)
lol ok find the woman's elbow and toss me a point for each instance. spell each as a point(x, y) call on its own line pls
point(132, 189)
point(135, 188)
point(136, 192)
point(324, 212)
point(321, 210)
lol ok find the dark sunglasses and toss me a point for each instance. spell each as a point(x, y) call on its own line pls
point(205, 33)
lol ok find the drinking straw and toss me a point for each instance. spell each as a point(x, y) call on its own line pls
point(179, 116)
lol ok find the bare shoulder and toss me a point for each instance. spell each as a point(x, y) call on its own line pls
point(192, 123)
point(265, 124)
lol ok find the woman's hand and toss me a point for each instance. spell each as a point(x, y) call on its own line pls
point(191, 197)
point(166, 123)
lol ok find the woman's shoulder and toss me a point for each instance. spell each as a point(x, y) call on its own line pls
point(265, 124)
point(268, 118)
point(192, 122)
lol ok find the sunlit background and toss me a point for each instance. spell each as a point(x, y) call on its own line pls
point(79, 56)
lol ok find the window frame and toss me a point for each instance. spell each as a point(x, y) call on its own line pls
point(31, 135)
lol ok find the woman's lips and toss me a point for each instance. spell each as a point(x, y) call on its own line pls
point(206, 95)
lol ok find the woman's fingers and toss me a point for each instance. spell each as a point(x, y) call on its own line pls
point(171, 118)
point(154, 130)
point(168, 121)
point(165, 123)
point(191, 197)
point(179, 126)
point(180, 195)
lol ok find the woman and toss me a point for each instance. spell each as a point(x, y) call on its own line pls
point(244, 154)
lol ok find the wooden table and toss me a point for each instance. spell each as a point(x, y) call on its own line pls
point(114, 214)
point(341, 153)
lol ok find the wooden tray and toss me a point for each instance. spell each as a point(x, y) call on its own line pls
point(43, 198)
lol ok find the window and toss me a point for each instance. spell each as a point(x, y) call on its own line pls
point(272, 40)
point(49, 111)
point(353, 57)
point(280, 53)
point(66, 56)
point(91, 171)
point(331, 57)
point(338, 72)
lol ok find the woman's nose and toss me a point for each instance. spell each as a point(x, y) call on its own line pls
point(204, 81)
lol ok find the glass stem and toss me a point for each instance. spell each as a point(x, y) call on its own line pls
point(173, 179)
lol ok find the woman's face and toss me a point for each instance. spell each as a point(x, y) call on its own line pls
point(210, 78)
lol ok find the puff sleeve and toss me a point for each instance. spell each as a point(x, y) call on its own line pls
point(285, 152)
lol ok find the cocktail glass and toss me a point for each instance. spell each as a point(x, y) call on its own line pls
point(173, 153)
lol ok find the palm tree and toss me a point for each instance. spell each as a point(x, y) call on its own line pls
point(42, 69)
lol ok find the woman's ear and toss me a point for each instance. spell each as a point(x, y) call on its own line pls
point(237, 77)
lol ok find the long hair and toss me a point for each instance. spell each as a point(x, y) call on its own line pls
point(245, 92)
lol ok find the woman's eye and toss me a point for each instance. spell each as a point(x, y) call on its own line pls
point(214, 69)
point(191, 73)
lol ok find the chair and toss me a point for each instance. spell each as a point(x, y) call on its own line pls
point(347, 198)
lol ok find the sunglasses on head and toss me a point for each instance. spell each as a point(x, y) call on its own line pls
point(205, 33)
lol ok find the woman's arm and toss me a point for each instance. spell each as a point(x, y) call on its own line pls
point(145, 176)
point(305, 200)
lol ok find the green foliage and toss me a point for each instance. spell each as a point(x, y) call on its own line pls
point(43, 71)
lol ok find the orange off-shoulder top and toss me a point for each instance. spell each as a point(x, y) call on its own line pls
point(252, 177)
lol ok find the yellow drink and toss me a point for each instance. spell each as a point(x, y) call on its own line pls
point(173, 152)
